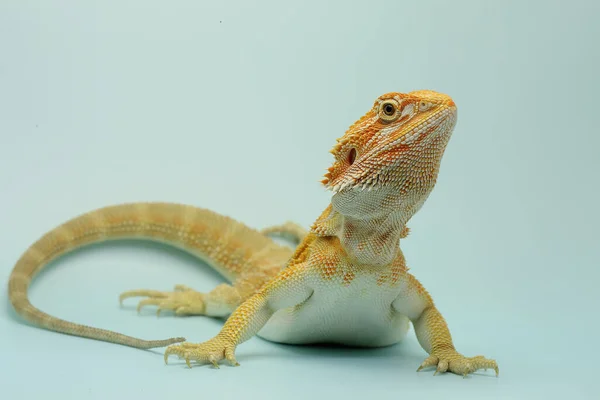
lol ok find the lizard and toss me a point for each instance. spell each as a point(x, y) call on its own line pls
point(346, 282)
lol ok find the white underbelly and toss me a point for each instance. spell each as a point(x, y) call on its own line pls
point(357, 315)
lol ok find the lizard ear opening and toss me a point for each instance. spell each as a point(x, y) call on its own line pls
point(351, 156)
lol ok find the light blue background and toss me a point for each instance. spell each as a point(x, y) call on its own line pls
point(233, 106)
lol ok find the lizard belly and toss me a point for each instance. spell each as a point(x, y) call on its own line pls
point(359, 314)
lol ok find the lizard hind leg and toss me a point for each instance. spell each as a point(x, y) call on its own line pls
point(183, 300)
point(289, 230)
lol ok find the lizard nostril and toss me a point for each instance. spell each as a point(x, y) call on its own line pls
point(351, 156)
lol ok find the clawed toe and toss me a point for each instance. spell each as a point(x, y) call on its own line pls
point(148, 302)
point(211, 352)
point(183, 300)
point(141, 293)
point(429, 362)
point(458, 364)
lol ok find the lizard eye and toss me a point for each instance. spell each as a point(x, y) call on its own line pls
point(388, 110)
point(351, 156)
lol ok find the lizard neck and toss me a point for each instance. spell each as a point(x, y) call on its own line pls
point(370, 223)
point(373, 241)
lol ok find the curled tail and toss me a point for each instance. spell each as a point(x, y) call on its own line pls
point(225, 244)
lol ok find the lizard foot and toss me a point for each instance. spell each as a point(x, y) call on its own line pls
point(211, 351)
point(183, 300)
point(452, 361)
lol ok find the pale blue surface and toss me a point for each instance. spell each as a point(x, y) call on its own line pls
point(233, 106)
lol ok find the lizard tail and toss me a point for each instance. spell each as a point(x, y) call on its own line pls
point(227, 245)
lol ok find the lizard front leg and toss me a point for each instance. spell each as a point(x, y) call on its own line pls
point(433, 333)
point(287, 289)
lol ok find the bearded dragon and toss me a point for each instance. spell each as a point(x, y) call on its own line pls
point(346, 282)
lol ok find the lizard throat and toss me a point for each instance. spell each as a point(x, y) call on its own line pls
point(373, 241)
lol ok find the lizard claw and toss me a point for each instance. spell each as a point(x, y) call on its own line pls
point(455, 362)
point(211, 351)
point(429, 362)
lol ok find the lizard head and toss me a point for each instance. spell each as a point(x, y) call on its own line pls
point(390, 157)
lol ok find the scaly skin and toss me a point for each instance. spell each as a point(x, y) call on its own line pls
point(234, 250)
point(346, 282)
